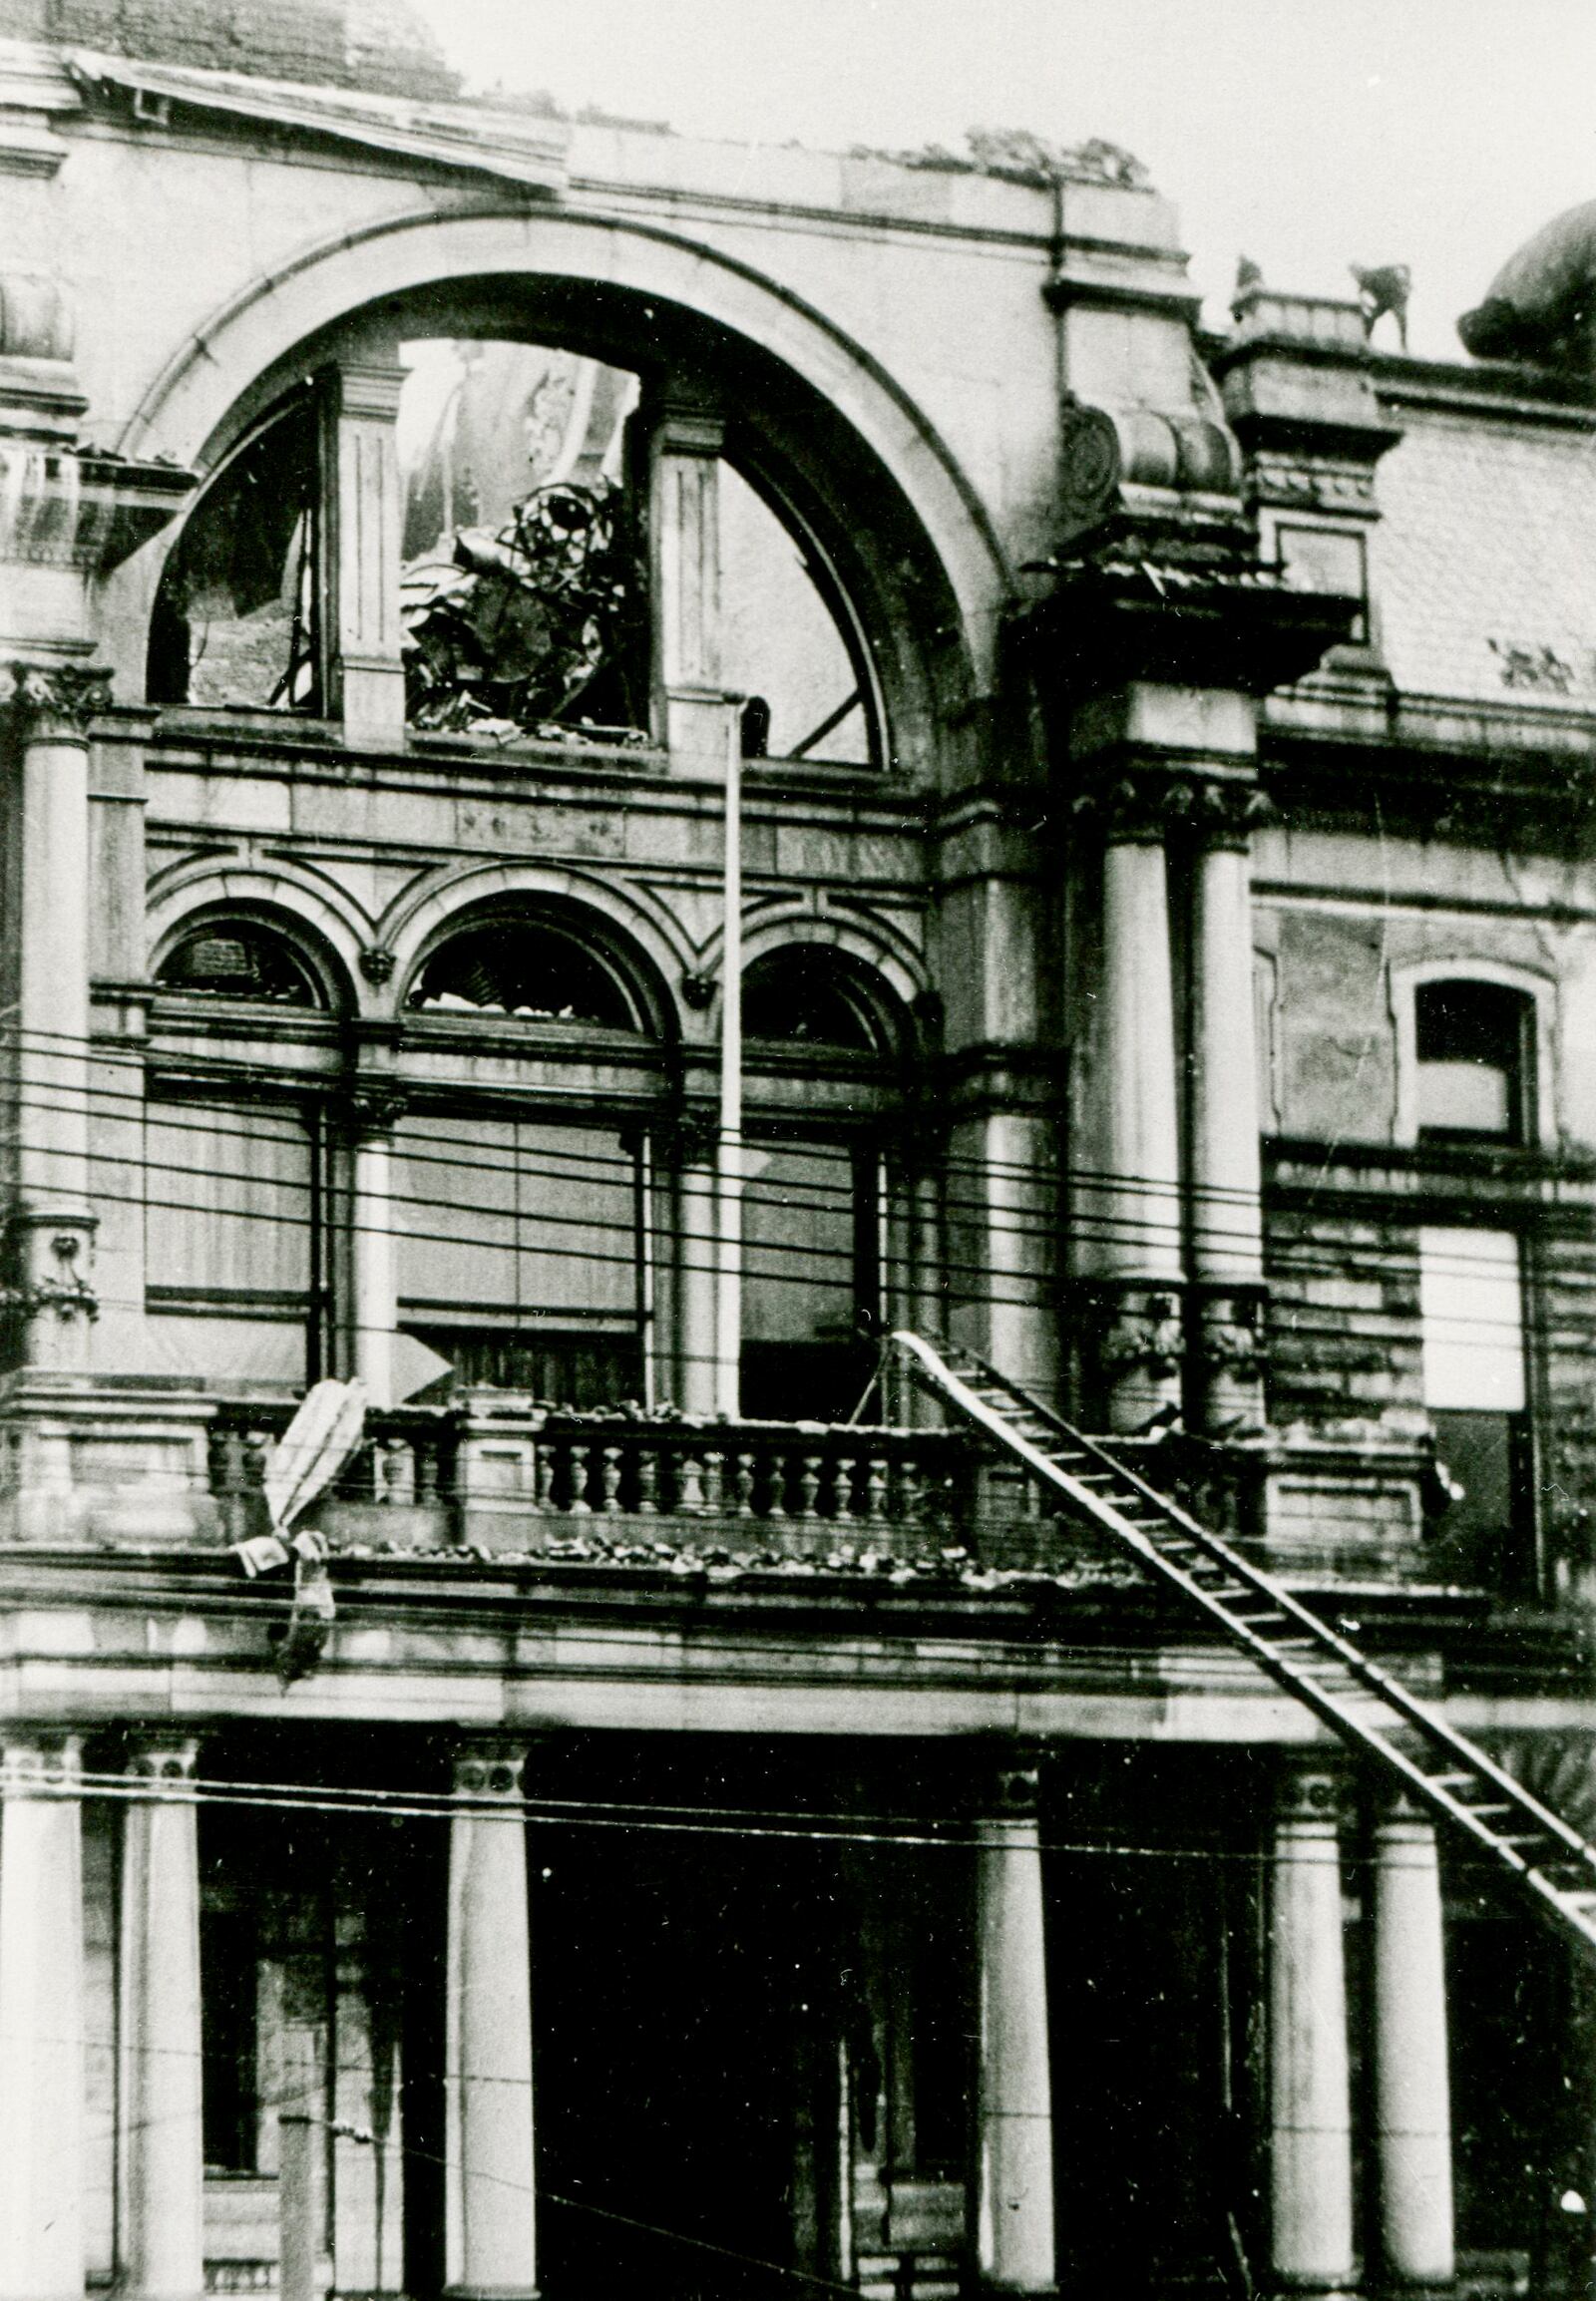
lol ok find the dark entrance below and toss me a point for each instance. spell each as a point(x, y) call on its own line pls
point(683, 2020)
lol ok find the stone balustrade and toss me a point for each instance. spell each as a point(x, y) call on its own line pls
point(509, 1475)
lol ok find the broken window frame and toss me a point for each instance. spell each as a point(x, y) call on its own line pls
point(302, 688)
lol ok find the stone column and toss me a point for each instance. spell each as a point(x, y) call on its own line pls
point(1227, 1252)
point(163, 2161)
point(697, 1269)
point(684, 578)
point(1015, 2245)
point(1311, 2193)
point(490, 2205)
point(374, 1247)
point(41, 2019)
point(1133, 1214)
point(1412, 2107)
point(367, 669)
point(53, 1224)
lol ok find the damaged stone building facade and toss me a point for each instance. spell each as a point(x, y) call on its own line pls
point(721, 1817)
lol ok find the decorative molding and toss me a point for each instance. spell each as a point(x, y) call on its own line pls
point(377, 963)
point(1230, 1333)
point(1141, 807)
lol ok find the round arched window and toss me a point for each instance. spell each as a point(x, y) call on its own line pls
point(235, 959)
point(803, 997)
point(526, 969)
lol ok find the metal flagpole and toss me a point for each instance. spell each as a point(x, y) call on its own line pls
point(728, 1149)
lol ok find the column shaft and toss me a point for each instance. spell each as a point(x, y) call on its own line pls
point(491, 2242)
point(1413, 2105)
point(54, 1223)
point(1133, 1213)
point(1227, 1221)
point(375, 1266)
point(697, 1291)
point(1015, 2239)
point(164, 2222)
point(41, 2023)
point(1310, 2108)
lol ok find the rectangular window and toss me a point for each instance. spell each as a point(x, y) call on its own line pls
point(1475, 1387)
point(230, 1238)
point(519, 1254)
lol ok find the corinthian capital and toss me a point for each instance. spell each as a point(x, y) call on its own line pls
point(57, 698)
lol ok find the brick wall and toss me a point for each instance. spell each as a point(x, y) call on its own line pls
point(375, 44)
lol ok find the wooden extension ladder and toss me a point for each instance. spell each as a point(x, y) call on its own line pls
point(1373, 1713)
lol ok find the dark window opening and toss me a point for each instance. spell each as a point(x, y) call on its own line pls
point(526, 970)
point(236, 617)
point(811, 1279)
point(1474, 1046)
point(1486, 1458)
point(228, 1952)
point(231, 960)
point(802, 997)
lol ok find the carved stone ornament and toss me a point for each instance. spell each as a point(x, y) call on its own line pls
point(490, 1768)
point(64, 696)
point(1140, 808)
point(698, 989)
point(1310, 1793)
point(63, 1290)
point(1231, 1334)
point(1089, 464)
point(373, 1110)
point(1139, 1329)
point(1015, 1787)
point(377, 963)
point(689, 1138)
point(1227, 814)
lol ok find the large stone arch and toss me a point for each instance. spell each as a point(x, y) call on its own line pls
point(219, 376)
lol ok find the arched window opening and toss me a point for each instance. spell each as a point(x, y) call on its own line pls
point(1473, 1042)
point(782, 642)
point(235, 616)
point(235, 959)
point(526, 969)
point(523, 591)
point(802, 997)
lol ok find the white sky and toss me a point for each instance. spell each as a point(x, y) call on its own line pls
point(1310, 133)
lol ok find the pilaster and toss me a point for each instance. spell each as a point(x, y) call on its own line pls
point(490, 2198)
point(1412, 2102)
point(684, 449)
point(41, 2017)
point(366, 669)
point(162, 2252)
point(1310, 2112)
point(1016, 2247)
point(52, 1227)
point(372, 1113)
